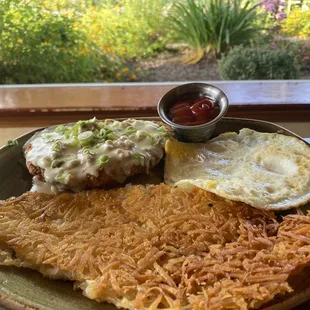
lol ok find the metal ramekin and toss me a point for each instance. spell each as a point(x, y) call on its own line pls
point(199, 133)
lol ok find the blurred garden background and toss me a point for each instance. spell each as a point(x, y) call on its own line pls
point(75, 41)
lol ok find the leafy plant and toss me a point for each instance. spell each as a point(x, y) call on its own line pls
point(188, 23)
point(297, 3)
point(271, 14)
point(130, 29)
point(297, 23)
point(50, 42)
point(259, 63)
point(301, 50)
point(213, 26)
point(39, 46)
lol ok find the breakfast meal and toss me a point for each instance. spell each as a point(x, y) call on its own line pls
point(156, 247)
point(212, 235)
point(264, 170)
point(93, 154)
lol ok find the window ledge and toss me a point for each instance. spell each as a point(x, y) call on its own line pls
point(40, 105)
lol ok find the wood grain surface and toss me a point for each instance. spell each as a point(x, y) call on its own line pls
point(39, 105)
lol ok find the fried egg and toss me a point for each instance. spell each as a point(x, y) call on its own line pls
point(264, 170)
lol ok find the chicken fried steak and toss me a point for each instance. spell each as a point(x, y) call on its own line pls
point(93, 154)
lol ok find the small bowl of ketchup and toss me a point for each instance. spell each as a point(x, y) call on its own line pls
point(193, 110)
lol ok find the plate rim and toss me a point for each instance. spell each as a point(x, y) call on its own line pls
point(157, 118)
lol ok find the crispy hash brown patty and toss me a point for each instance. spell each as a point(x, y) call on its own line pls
point(156, 247)
point(91, 154)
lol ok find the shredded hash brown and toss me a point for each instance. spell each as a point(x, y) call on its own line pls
point(156, 247)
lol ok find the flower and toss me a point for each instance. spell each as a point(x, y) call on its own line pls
point(280, 16)
point(20, 41)
point(275, 7)
point(126, 70)
point(269, 7)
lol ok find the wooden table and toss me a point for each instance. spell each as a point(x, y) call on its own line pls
point(23, 108)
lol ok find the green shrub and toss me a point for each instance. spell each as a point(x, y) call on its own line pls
point(45, 44)
point(213, 26)
point(258, 63)
point(301, 51)
point(299, 48)
point(131, 29)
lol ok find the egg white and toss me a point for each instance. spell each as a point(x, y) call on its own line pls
point(264, 170)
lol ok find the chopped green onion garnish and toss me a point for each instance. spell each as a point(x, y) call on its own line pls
point(102, 133)
point(68, 134)
point(108, 134)
point(82, 124)
point(102, 160)
point(64, 178)
point(111, 136)
point(57, 146)
point(78, 127)
point(57, 163)
point(60, 129)
point(130, 130)
point(11, 143)
point(140, 157)
point(74, 142)
point(156, 139)
point(163, 129)
point(101, 124)
point(115, 124)
point(86, 137)
point(88, 152)
point(49, 137)
point(143, 133)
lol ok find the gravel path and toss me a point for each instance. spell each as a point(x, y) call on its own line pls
point(171, 68)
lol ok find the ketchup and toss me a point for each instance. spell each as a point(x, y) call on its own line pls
point(192, 112)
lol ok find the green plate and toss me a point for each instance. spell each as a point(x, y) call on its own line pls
point(27, 289)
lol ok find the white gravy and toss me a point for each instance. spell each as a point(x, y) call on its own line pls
point(68, 155)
